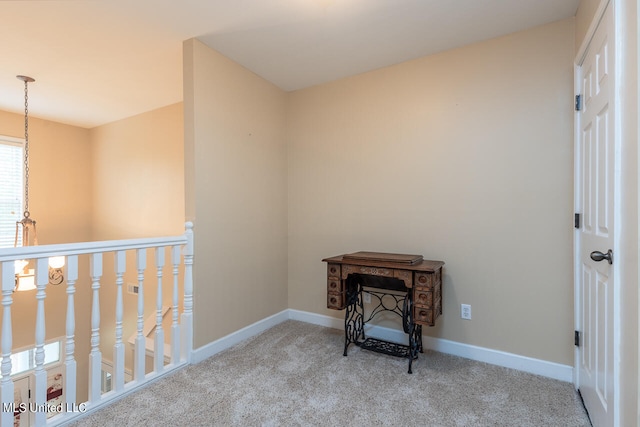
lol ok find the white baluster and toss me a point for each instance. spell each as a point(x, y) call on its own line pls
point(175, 327)
point(6, 385)
point(70, 378)
point(40, 375)
point(187, 314)
point(95, 357)
point(140, 351)
point(118, 348)
point(159, 338)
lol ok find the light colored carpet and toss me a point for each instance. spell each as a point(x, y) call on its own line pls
point(294, 374)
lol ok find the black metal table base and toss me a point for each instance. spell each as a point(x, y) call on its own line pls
point(354, 322)
point(386, 347)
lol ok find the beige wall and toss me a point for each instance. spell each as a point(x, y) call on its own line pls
point(584, 16)
point(466, 157)
point(236, 177)
point(59, 178)
point(138, 176)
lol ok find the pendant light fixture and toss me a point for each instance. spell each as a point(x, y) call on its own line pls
point(25, 278)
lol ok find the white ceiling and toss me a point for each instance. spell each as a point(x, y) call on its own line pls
point(103, 60)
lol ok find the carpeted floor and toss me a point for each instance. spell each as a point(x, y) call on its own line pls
point(294, 374)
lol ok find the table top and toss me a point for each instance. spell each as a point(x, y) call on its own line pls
point(387, 260)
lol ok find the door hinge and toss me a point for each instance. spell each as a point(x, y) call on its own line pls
point(576, 220)
point(578, 102)
point(576, 338)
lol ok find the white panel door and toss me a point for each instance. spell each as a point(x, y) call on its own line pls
point(596, 202)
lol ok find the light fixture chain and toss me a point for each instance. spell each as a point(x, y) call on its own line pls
point(26, 150)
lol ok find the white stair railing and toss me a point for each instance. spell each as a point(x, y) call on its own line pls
point(118, 347)
point(6, 384)
point(140, 351)
point(181, 331)
point(175, 327)
point(95, 357)
point(42, 278)
point(69, 359)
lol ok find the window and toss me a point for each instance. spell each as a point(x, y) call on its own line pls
point(11, 189)
point(25, 360)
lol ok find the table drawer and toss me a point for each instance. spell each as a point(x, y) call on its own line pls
point(424, 316)
point(335, 301)
point(333, 270)
point(424, 279)
point(335, 285)
point(428, 280)
point(423, 297)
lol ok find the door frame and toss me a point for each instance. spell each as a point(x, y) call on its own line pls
point(616, 339)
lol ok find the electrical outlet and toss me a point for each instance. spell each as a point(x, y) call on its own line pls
point(366, 296)
point(465, 311)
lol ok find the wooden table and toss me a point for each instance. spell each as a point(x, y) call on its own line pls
point(415, 284)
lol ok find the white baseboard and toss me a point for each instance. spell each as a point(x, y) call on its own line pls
point(481, 354)
point(236, 337)
point(316, 319)
point(541, 367)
